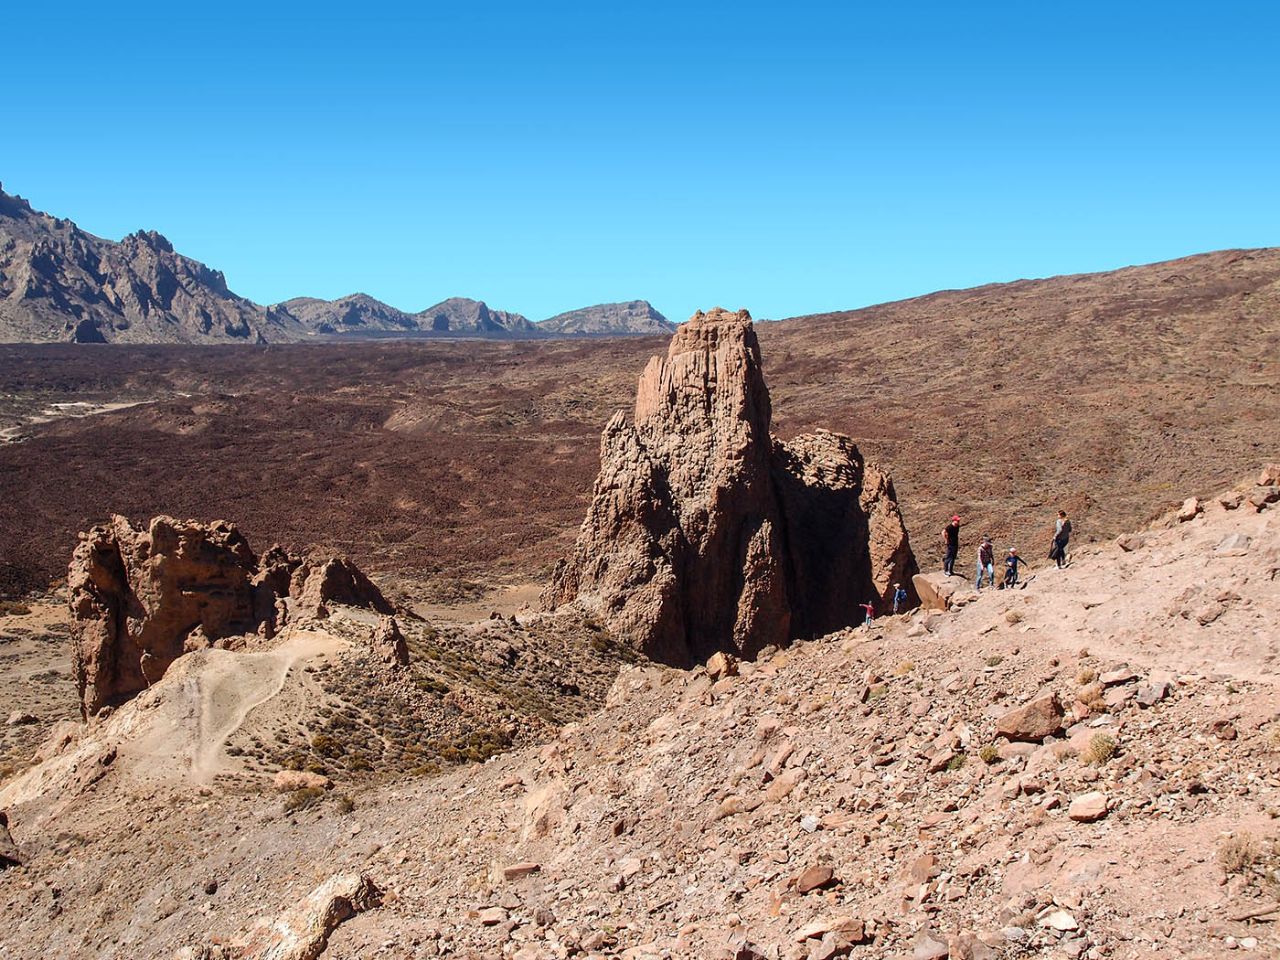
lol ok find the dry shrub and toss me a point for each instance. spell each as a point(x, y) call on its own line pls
point(1086, 676)
point(1101, 748)
point(1013, 616)
point(1091, 696)
point(1238, 853)
point(302, 799)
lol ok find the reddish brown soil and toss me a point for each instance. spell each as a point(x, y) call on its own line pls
point(1110, 394)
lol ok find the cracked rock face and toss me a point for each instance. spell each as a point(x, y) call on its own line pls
point(706, 533)
point(142, 597)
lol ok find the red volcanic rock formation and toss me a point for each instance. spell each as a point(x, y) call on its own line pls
point(140, 598)
point(706, 534)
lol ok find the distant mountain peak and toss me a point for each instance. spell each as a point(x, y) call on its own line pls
point(625, 318)
point(58, 282)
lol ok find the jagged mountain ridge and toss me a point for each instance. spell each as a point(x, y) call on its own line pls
point(58, 282)
point(61, 283)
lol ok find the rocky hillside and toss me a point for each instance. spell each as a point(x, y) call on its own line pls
point(58, 282)
point(460, 315)
point(632, 318)
point(1086, 767)
point(356, 313)
point(1104, 393)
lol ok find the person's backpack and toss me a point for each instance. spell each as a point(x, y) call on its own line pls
point(1066, 529)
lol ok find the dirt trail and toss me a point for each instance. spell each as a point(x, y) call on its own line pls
point(235, 686)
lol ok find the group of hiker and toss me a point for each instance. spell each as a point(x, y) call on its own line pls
point(1012, 562)
point(986, 561)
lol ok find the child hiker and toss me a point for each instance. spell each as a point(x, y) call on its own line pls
point(1011, 568)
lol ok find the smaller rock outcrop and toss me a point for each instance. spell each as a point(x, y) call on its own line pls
point(142, 597)
point(389, 644)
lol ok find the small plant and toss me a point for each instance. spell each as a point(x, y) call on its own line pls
point(302, 798)
point(995, 660)
point(14, 608)
point(1091, 696)
point(989, 754)
point(904, 668)
point(1238, 853)
point(344, 803)
point(1013, 616)
point(1086, 676)
point(956, 762)
point(1101, 748)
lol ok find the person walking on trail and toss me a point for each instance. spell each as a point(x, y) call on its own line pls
point(950, 546)
point(899, 596)
point(986, 562)
point(1011, 568)
point(1061, 537)
point(870, 609)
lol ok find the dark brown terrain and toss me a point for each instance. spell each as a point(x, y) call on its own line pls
point(1112, 395)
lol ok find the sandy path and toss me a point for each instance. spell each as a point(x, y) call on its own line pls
point(234, 687)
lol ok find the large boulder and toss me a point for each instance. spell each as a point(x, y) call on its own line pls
point(1033, 721)
point(705, 533)
point(142, 597)
point(936, 590)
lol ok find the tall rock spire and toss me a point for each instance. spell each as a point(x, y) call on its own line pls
point(707, 534)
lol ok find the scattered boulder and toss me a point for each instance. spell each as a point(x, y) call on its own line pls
point(142, 597)
point(286, 781)
point(814, 878)
point(1121, 674)
point(20, 718)
point(1088, 807)
point(936, 590)
point(1270, 475)
point(707, 534)
point(1034, 720)
point(518, 870)
point(722, 665)
point(1129, 542)
point(303, 932)
point(1233, 545)
point(853, 930)
point(1190, 509)
point(1231, 500)
point(1262, 496)
point(1059, 920)
point(1150, 694)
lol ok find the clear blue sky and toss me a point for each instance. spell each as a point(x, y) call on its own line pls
point(788, 158)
